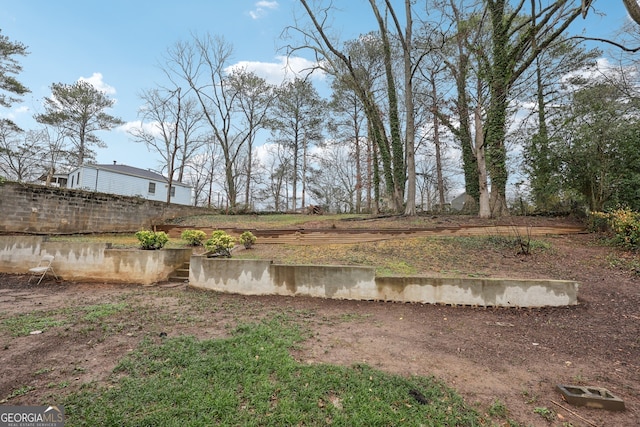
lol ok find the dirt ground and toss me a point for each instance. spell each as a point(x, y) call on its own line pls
point(514, 356)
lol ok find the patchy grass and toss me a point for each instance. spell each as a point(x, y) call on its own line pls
point(262, 221)
point(118, 241)
point(250, 379)
point(100, 311)
point(406, 256)
point(24, 324)
point(403, 257)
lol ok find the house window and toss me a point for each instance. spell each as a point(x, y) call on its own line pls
point(173, 191)
point(152, 188)
point(72, 180)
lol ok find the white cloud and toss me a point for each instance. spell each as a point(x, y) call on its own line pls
point(601, 70)
point(15, 113)
point(96, 81)
point(261, 8)
point(284, 69)
point(152, 128)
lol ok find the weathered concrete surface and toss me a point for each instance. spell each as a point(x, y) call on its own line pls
point(19, 253)
point(91, 261)
point(481, 292)
point(248, 277)
point(98, 262)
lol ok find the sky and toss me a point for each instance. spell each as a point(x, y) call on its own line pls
point(118, 46)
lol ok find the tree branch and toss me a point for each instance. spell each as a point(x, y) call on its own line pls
point(611, 42)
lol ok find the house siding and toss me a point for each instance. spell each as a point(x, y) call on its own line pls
point(105, 181)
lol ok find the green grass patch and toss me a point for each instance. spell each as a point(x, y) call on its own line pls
point(23, 324)
point(261, 221)
point(396, 268)
point(250, 379)
point(101, 311)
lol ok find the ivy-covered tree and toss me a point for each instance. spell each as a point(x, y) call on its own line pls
point(518, 37)
point(78, 112)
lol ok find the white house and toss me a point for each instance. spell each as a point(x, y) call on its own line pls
point(128, 181)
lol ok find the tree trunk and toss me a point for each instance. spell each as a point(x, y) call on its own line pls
point(247, 191)
point(436, 140)
point(410, 131)
point(499, 84)
point(397, 150)
point(358, 173)
point(294, 189)
point(485, 210)
point(634, 9)
point(375, 175)
point(369, 175)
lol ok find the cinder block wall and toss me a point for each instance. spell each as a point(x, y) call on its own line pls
point(37, 209)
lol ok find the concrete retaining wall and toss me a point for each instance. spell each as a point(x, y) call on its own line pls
point(249, 277)
point(93, 262)
point(98, 262)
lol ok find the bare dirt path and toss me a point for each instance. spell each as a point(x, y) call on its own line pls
point(514, 356)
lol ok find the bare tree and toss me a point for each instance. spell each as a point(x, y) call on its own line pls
point(200, 172)
point(347, 124)
point(169, 127)
point(296, 122)
point(254, 99)
point(203, 63)
point(277, 167)
point(19, 152)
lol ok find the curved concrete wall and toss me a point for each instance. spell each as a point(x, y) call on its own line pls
point(252, 277)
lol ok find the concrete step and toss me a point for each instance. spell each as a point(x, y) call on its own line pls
point(180, 274)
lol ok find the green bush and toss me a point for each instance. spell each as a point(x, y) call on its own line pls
point(194, 237)
point(151, 239)
point(624, 223)
point(247, 239)
point(220, 244)
point(598, 221)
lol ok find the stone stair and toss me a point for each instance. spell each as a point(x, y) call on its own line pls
point(180, 274)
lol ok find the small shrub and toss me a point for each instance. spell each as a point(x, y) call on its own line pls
point(247, 239)
point(193, 237)
point(623, 223)
point(545, 413)
point(220, 244)
point(598, 221)
point(151, 239)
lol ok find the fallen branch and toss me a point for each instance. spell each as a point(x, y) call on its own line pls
point(591, 423)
